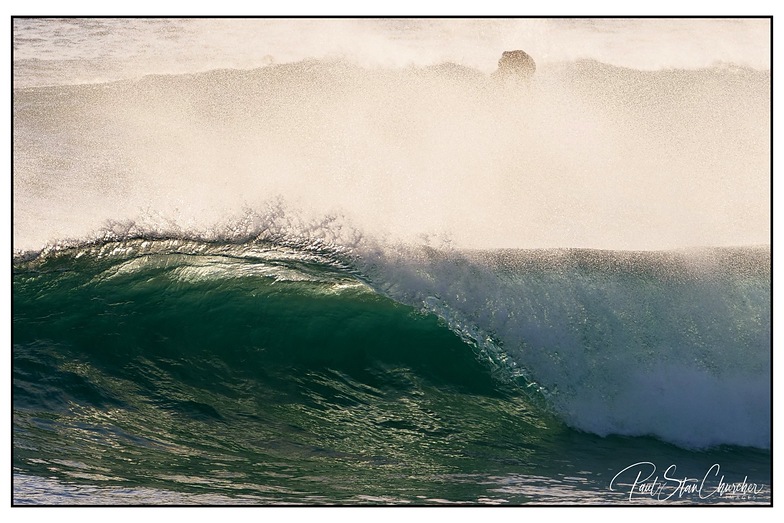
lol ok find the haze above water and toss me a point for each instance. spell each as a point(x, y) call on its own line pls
point(634, 134)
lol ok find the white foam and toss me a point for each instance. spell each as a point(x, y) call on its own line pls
point(672, 345)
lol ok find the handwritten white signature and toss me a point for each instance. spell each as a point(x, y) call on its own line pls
point(671, 486)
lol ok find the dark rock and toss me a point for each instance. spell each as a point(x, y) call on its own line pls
point(515, 64)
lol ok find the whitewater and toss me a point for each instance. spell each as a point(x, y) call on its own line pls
point(517, 286)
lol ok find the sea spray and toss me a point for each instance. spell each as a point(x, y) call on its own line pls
point(588, 155)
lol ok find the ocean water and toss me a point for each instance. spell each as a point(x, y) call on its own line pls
point(338, 261)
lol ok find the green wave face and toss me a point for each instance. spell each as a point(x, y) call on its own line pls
point(218, 374)
point(214, 372)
